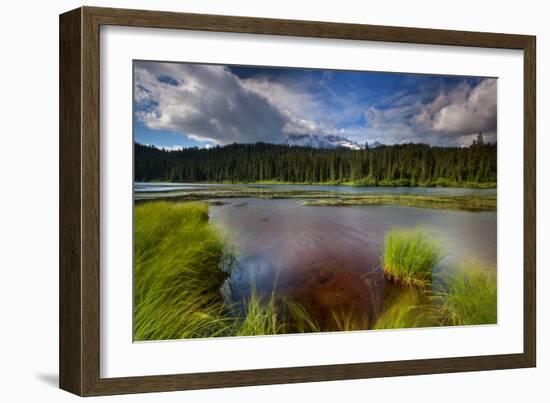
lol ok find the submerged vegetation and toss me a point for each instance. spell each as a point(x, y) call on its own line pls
point(212, 194)
point(467, 203)
point(182, 266)
point(386, 165)
point(410, 257)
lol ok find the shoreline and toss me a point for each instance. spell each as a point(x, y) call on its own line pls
point(325, 198)
point(458, 185)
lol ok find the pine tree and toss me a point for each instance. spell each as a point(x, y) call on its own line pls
point(410, 164)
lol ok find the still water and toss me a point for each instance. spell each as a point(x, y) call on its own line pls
point(158, 187)
point(328, 258)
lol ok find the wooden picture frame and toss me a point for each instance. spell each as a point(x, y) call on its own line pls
point(79, 346)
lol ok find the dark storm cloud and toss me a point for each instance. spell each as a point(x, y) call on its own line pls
point(208, 103)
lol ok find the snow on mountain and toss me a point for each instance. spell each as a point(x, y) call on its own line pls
point(329, 141)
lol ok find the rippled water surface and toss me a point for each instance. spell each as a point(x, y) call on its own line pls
point(328, 258)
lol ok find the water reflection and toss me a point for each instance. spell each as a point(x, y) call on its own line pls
point(328, 258)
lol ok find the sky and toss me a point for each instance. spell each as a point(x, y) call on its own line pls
point(180, 105)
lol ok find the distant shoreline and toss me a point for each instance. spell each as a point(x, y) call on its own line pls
point(409, 165)
point(398, 183)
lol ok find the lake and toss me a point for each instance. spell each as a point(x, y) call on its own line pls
point(327, 258)
point(159, 187)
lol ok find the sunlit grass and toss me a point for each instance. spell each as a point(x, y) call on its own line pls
point(406, 311)
point(347, 321)
point(178, 273)
point(410, 257)
point(469, 296)
point(300, 320)
point(182, 264)
point(260, 317)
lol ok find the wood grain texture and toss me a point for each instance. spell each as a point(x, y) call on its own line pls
point(80, 200)
point(316, 29)
point(530, 202)
point(70, 274)
point(90, 202)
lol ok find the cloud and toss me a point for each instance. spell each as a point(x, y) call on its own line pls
point(464, 109)
point(291, 99)
point(208, 103)
point(391, 125)
point(452, 116)
point(214, 105)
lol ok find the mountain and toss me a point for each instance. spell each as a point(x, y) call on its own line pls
point(329, 141)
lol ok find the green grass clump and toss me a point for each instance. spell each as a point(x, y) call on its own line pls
point(300, 320)
point(346, 321)
point(410, 257)
point(470, 296)
point(178, 272)
point(260, 317)
point(406, 311)
point(181, 264)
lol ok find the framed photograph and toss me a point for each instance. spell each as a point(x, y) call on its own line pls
point(249, 201)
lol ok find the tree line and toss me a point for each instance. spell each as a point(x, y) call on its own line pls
point(387, 165)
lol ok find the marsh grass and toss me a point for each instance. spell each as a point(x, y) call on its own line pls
point(407, 310)
point(347, 321)
point(181, 269)
point(410, 257)
point(299, 320)
point(469, 297)
point(472, 202)
point(182, 266)
point(178, 273)
point(438, 202)
point(260, 317)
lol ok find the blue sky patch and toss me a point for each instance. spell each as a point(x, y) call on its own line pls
point(188, 105)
